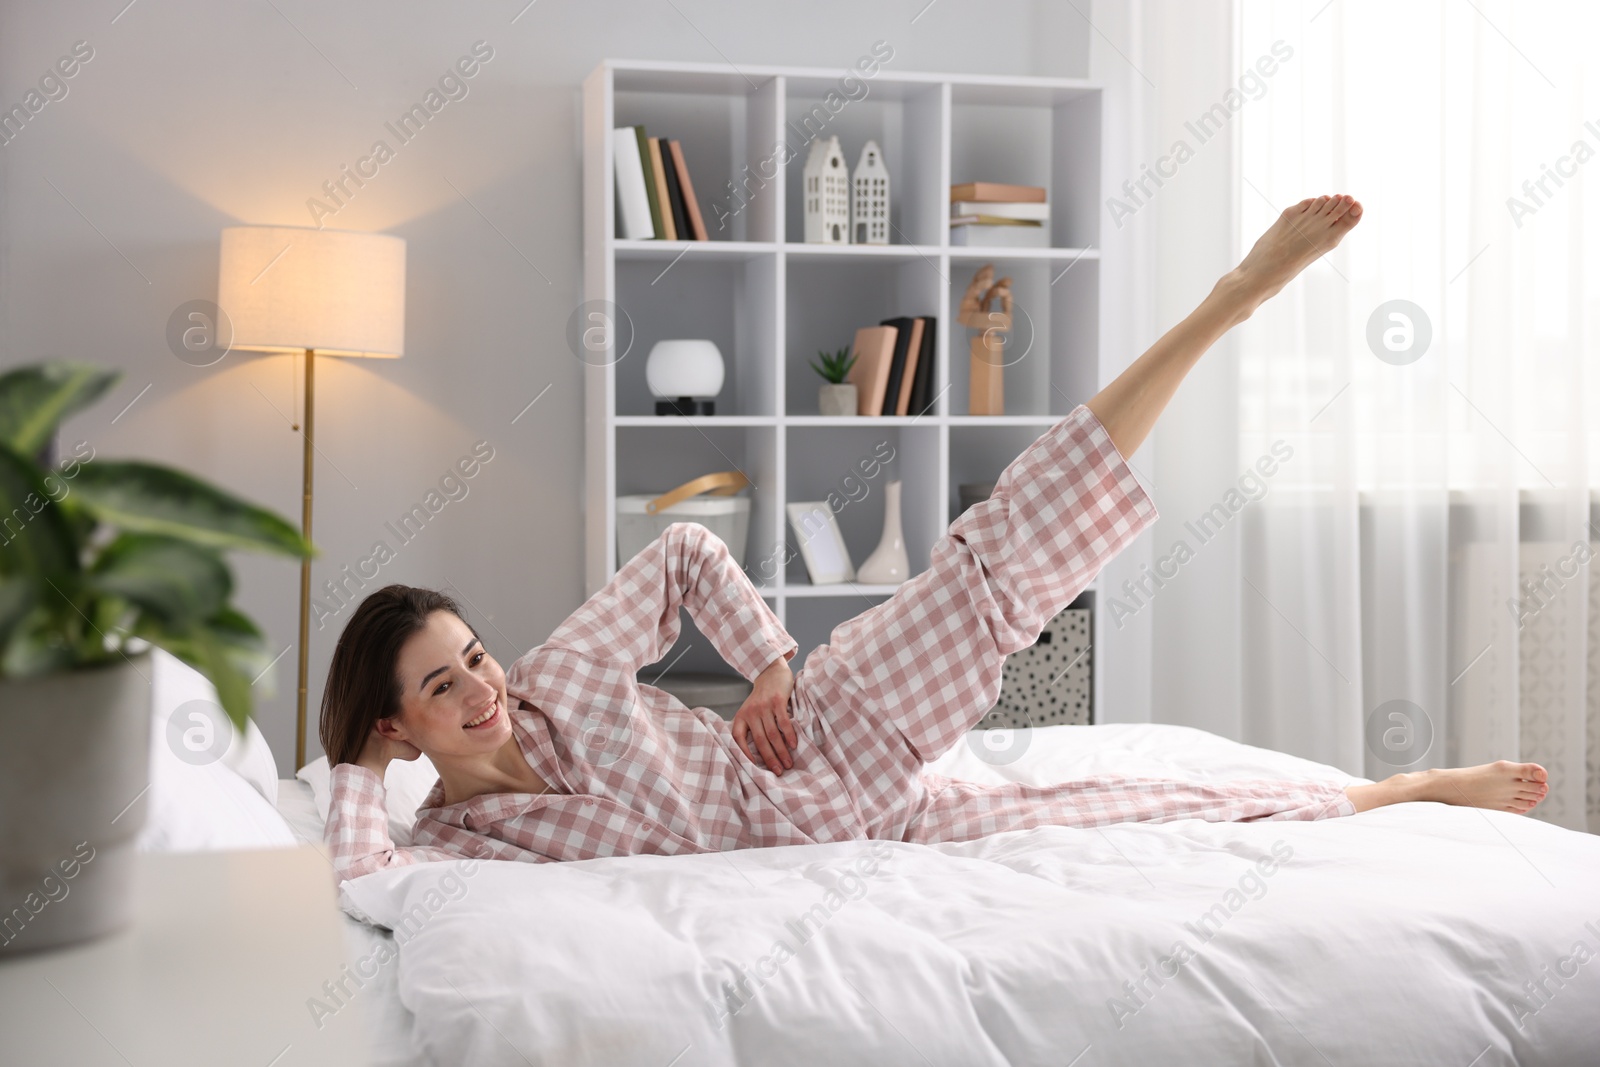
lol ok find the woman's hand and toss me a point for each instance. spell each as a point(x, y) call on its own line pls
point(762, 727)
point(379, 750)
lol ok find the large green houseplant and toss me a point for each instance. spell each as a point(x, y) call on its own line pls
point(99, 557)
point(95, 553)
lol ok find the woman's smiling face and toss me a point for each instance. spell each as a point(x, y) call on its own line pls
point(452, 692)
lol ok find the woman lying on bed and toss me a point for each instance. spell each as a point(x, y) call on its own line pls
point(569, 757)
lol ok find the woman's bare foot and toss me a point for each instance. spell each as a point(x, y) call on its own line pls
point(1301, 235)
point(1498, 786)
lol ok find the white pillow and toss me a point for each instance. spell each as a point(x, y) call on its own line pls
point(216, 803)
point(203, 808)
point(175, 684)
point(406, 785)
point(298, 807)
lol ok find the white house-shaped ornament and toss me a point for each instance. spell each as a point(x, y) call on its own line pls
point(827, 183)
point(869, 198)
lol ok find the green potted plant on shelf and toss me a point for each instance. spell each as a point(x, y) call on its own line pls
point(837, 396)
point(99, 559)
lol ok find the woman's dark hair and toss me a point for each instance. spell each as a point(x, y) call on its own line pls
point(364, 678)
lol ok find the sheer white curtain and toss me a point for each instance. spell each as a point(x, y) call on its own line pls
point(1416, 583)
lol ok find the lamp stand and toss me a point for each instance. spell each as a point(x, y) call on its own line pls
point(305, 564)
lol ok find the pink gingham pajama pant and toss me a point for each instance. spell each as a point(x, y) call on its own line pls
point(927, 662)
point(632, 770)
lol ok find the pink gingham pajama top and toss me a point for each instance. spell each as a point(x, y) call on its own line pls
point(635, 771)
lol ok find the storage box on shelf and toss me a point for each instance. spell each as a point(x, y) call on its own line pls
point(771, 302)
point(1051, 683)
point(654, 458)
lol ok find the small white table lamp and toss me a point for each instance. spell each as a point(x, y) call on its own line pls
point(301, 290)
point(679, 373)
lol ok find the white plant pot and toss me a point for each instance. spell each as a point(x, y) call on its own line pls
point(837, 399)
point(74, 759)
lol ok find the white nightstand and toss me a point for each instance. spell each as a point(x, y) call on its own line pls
point(225, 951)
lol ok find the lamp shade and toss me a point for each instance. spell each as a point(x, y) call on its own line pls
point(684, 368)
point(290, 288)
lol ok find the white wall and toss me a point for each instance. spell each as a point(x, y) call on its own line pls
point(197, 115)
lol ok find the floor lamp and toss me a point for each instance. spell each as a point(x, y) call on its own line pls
point(317, 292)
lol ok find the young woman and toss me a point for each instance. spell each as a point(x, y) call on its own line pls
point(569, 757)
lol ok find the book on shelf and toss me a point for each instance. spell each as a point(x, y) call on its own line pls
point(897, 364)
point(874, 353)
point(913, 358)
point(655, 195)
point(697, 224)
point(991, 220)
point(919, 325)
point(633, 202)
point(658, 178)
point(977, 235)
point(922, 388)
point(1006, 209)
point(908, 338)
point(680, 218)
point(997, 193)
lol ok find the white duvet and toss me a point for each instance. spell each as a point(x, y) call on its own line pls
point(1417, 934)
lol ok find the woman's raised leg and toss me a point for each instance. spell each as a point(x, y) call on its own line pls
point(1128, 407)
point(903, 682)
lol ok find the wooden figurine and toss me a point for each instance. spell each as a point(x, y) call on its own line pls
point(986, 307)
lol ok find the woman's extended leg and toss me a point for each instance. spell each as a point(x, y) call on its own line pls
point(961, 811)
point(901, 683)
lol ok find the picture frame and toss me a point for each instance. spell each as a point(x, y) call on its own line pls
point(821, 542)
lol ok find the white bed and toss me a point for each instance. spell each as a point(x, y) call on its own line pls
point(1404, 935)
point(1398, 936)
point(388, 1022)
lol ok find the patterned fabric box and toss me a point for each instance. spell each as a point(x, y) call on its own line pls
point(1051, 682)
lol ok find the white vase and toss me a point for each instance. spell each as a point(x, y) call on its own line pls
point(888, 564)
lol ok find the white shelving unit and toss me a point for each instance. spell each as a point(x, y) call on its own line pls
point(771, 303)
